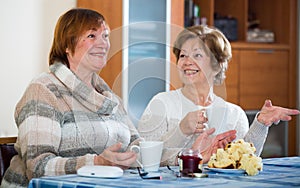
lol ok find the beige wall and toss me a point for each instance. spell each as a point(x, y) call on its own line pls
point(26, 35)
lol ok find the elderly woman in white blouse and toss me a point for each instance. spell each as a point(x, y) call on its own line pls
point(179, 117)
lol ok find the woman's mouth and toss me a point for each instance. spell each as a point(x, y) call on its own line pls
point(190, 72)
point(100, 54)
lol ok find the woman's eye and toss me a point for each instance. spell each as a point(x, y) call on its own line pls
point(198, 55)
point(91, 36)
point(181, 55)
point(105, 36)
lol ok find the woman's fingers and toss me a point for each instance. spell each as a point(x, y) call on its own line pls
point(270, 114)
point(112, 157)
point(194, 122)
point(201, 121)
point(268, 103)
point(227, 135)
point(125, 160)
point(125, 156)
point(210, 131)
point(200, 128)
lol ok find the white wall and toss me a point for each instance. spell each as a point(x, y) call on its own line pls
point(26, 35)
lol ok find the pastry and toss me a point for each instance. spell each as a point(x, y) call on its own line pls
point(237, 155)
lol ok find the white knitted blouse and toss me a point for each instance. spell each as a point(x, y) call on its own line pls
point(161, 118)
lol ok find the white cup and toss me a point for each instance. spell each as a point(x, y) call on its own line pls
point(150, 153)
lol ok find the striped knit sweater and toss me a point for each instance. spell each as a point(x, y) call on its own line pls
point(63, 124)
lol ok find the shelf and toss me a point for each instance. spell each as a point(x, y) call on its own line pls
point(250, 45)
point(275, 16)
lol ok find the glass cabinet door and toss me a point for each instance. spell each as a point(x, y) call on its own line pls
point(146, 56)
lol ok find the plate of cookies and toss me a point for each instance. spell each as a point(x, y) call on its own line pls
point(237, 157)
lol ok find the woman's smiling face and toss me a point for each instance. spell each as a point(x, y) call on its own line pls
point(91, 50)
point(193, 63)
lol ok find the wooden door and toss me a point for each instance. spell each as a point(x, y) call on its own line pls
point(263, 75)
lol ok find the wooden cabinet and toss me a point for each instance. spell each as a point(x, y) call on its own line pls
point(263, 74)
point(276, 16)
point(232, 80)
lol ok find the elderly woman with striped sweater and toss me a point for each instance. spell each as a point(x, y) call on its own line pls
point(69, 117)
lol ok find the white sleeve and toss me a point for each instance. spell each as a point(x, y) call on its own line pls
point(242, 124)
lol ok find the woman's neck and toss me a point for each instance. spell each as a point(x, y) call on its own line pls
point(84, 74)
point(199, 95)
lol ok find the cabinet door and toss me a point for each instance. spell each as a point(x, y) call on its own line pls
point(263, 75)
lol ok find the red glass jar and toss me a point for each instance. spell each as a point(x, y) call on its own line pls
point(190, 161)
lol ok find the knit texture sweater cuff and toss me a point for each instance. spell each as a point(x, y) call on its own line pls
point(257, 134)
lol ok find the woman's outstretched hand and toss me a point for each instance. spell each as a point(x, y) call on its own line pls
point(270, 114)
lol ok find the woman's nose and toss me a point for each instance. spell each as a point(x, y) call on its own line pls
point(102, 43)
point(188, 60)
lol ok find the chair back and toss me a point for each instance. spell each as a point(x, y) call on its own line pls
point(7, 151)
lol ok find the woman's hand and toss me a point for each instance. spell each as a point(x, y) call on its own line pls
point(270, 114)
point(208, 144)
point(194, 122)
point(112, 157)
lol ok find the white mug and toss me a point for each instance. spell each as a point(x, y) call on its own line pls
point(150, 153)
